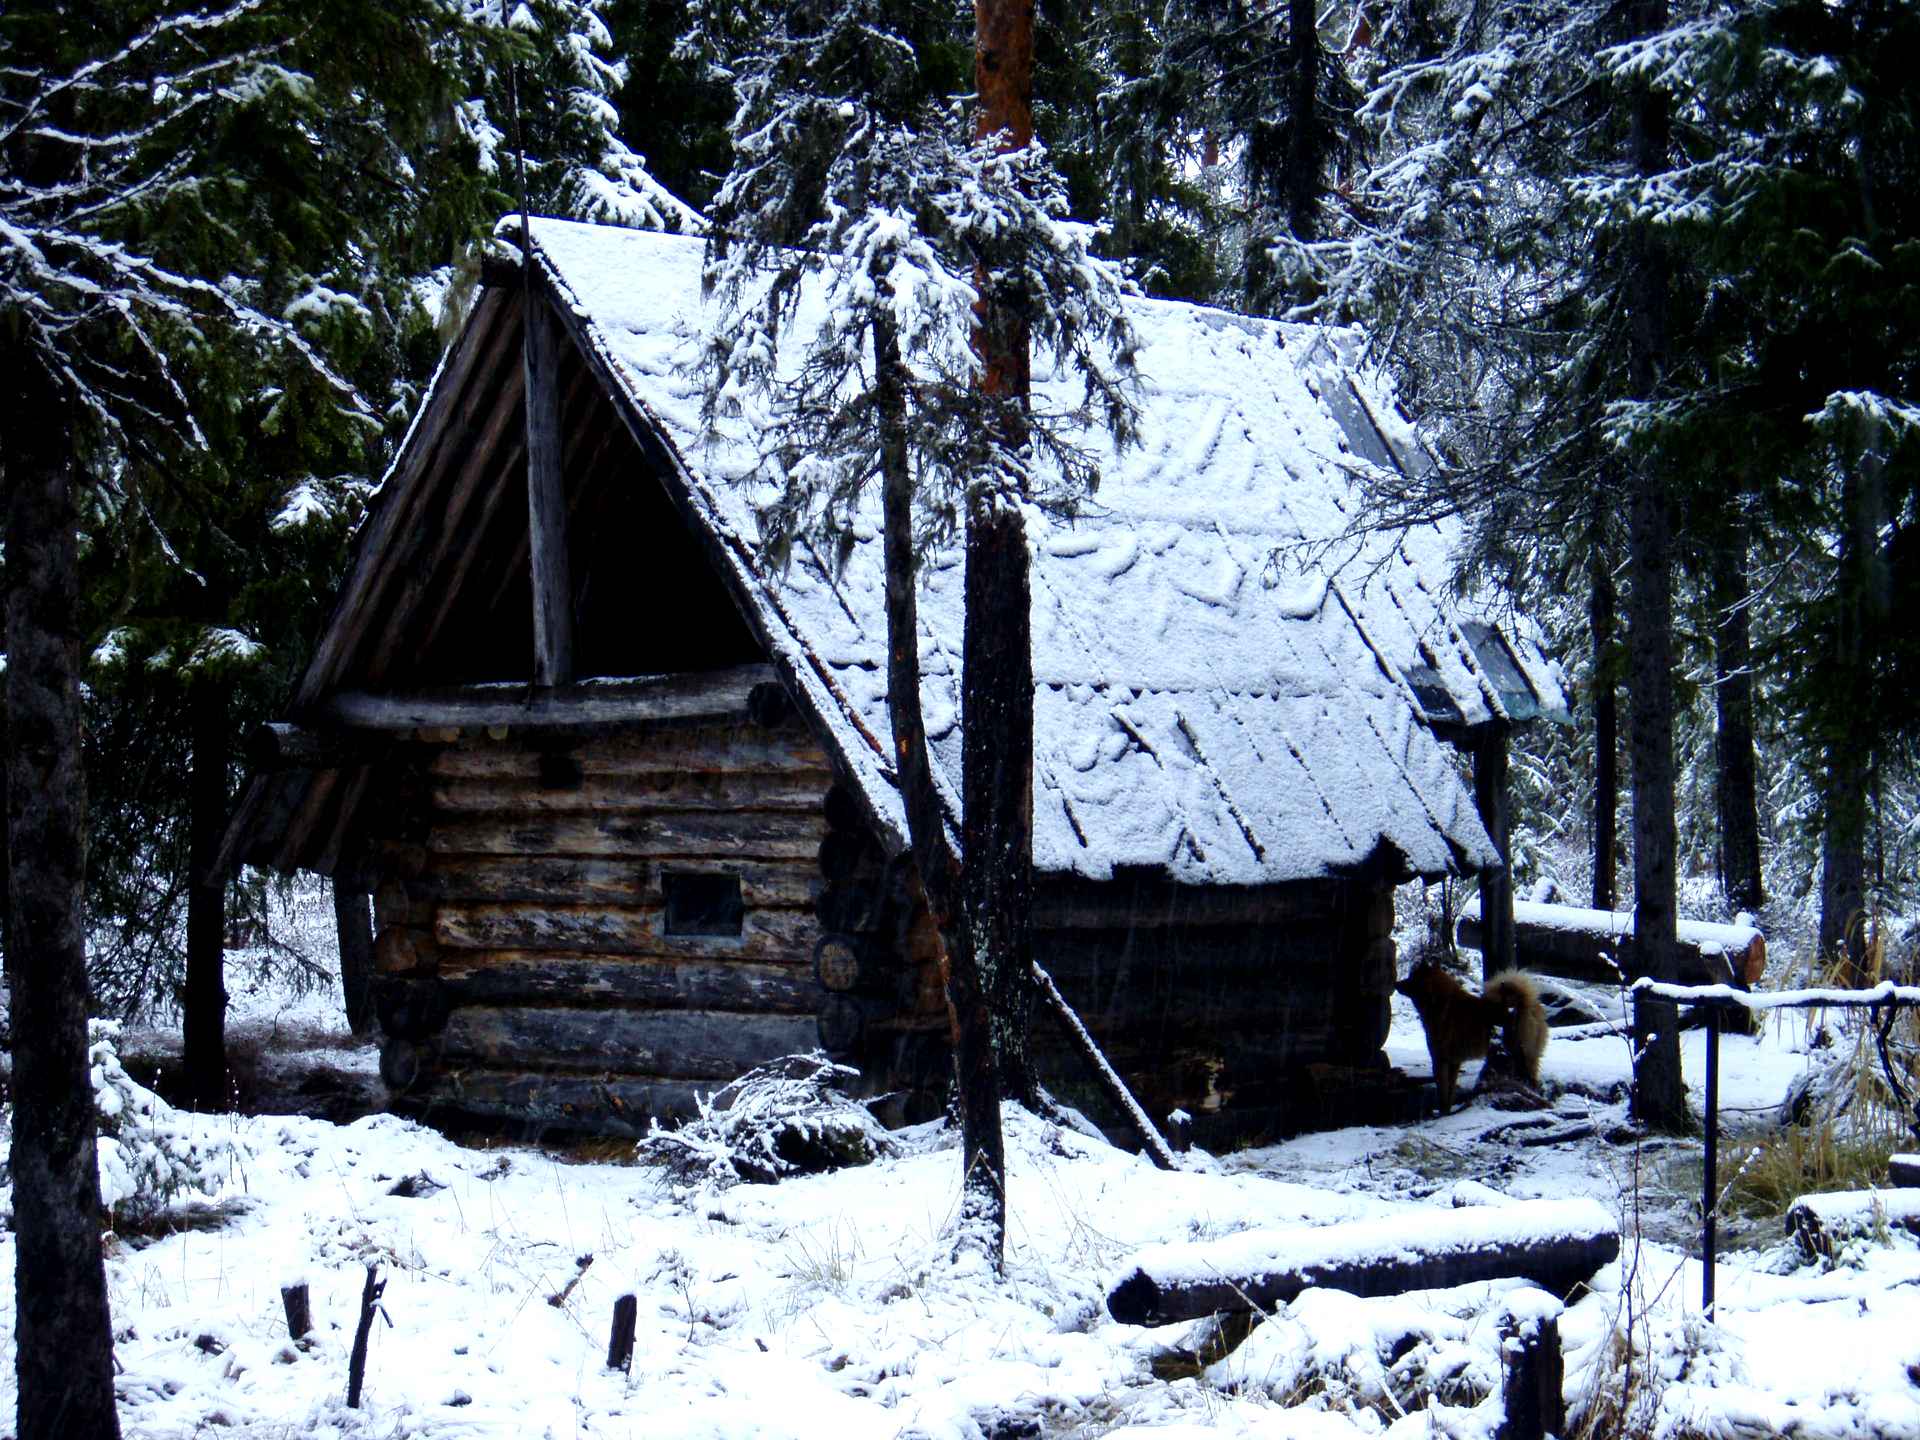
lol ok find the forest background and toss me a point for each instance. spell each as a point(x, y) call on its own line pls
point(1480, 187)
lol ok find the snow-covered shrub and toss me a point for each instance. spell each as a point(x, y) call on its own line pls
point(148, 1154)
point(1387, 1355)
point(790, 1116)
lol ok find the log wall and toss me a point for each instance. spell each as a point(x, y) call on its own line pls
point(527, 979)
point(527, 975)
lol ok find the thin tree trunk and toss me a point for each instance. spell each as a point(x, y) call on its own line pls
point(1606, 734)
point(63, 1329)
point(983, 1210)
point(1660, 1097)
point(1307, 137)
point(204, 1008)
point(1735, 782)
point(353, 925)
point(1864, 601)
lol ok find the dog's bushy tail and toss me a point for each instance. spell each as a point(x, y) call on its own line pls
point(1525, 1024)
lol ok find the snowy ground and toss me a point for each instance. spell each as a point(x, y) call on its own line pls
point(828, 1306)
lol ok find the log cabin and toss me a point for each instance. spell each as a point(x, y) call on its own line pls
point(618, 781)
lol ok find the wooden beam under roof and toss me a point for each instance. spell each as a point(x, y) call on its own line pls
point(697, 695)
point(546, 499)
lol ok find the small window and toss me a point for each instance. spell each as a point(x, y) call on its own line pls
point(703, 904)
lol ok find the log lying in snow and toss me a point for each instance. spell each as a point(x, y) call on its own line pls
point(1822, 1223)
point(1556, 1244)
point(1903, 1170)
point(1578, 944)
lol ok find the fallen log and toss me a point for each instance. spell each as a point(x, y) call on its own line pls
point(1903, 1170)
point(1587, 945)
point(1556, 1244)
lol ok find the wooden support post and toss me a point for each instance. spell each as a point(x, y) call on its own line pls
point(626, 1311)
point(546, 501)
point(1532, 1372)
point(297, 1302)
point(357, 1362)
point(353, 924)
point(1180, 1132)
point(1496, 883)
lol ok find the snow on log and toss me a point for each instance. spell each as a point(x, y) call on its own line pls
point(1903, 1170)
point(1823, 1223)
point(1579, 944)
point(1556, 1244)
point(1817, 997)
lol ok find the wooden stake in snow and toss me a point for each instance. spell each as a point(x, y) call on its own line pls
point(1532, 1372)
point(357, 1362)
point(626, 1311)
point(299, 1309)
point(1109, 1078)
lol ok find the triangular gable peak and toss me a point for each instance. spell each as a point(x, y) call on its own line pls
point(1195, 717)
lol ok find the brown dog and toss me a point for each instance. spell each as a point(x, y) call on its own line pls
point(1460, 1024)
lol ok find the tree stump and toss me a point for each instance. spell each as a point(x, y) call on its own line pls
point(1531, 1369)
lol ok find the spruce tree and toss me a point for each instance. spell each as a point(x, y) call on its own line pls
point(860, 199)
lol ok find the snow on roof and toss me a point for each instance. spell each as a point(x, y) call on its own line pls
point(1198, 711)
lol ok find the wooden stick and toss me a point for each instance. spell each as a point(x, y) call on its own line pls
point(626, 1311)
point(1109, 1078)
point(566, 1290)
point(357, 1362)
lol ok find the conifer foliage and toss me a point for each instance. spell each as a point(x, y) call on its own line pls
point(861, 236)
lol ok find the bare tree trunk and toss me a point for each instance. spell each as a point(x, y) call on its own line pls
point(983, 1208)
point(1735, 781)
point(1660, 1097)
point(1865, 597)
point(204, 1007)
point(63, 1330)
point(1606, 733)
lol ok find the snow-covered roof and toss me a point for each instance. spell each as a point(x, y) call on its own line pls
point(1198, 712)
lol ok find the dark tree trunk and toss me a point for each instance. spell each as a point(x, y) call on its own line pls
point(62, 1327)
point(1307, 133)
point(983, 1209)
point(1864, 600)
point(204, 1006)
point(1606, 733)
point(997, 682)
point(353, 924)
point(1660, 1097)
point(1496, 884)
point(1735, 783)
point(997, 781)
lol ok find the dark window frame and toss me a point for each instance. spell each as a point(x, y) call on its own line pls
point(703, 904)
